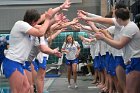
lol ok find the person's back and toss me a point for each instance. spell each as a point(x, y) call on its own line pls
point(18, 41)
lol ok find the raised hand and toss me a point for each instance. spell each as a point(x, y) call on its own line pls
point(57, 53)
point(75, 26)
point(81, 15)
point(99, 35)
point(66, 51)
point(66, 5)
point(83, 12)
point(56, 26)
point(75, 20)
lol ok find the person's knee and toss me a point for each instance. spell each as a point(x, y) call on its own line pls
point(40, 77)
point(27, 87)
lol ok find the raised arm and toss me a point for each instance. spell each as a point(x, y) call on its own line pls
point(48, 50)
point(53, 36)
point(97, 19)
point(87, 39)
point(65, 5)
point(40, 30)
point(114, 43)
point(104, 31)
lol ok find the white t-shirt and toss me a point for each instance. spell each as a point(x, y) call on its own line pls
point(40, 55)
point(132, 49)
point(117, 35)
point(103, 47)
point(92, 45)
point(35, 51)
point(72, 50)
point(92, 49)
point(44, 41)
point(111, 30)
point(19, 42)
point(100, 45)
point(97, 48)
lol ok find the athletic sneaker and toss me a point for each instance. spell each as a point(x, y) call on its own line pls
point(69, 86)
point(76, 86)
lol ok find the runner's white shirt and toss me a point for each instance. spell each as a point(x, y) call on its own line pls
point(72, 50)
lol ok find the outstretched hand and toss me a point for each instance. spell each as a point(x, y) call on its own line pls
point(83, 12)
point(81, 15)
point(74, 21)
point(66, 5)
point(99, 35)
point(57, 53)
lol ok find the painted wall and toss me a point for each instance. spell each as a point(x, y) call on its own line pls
point(9, 14)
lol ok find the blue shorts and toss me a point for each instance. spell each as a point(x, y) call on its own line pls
point(128, 68)
point(38, 65)
point(107, 59)
point(112, 66)
point(96, 62)
point(134, 65)
point(35, 63)
point(10, 66)
point(100, 63)
point(103, 63)
point(27, 66)
point(70, 62)
point(119, 61)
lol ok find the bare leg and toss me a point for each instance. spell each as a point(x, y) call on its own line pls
point(29, 76)
point(26, 84)
point(133, 82)
point(117, 85)
point(121, 76)
point(40, 80)
point(74, 69)
point(106, 85)
point(34, 74)
point(99, 75)
point(34, 77)
point(69, 73)
point(19, 83)
point(102, 79)
point(95, 77)
point(110, 84)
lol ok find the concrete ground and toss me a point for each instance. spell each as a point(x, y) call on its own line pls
point(59, 84)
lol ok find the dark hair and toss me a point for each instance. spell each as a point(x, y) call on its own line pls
point(122, 13)
point(120, 5)
point(31, 15)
